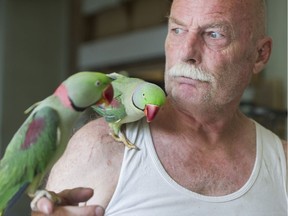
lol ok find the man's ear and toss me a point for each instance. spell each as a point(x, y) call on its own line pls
point(264, 49)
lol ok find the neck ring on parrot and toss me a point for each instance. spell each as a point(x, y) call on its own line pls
point(106, 99)
point(62, 93)
point(76, 108)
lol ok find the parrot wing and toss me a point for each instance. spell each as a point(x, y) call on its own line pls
point(28, 154)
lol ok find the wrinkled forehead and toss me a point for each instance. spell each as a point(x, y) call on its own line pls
point(239, 8)
point(233, 11)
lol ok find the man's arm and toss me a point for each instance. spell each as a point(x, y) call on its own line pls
point(92, 160)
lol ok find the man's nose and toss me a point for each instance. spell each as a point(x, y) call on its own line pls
point(192, 48)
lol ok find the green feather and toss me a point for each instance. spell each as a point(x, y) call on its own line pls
point(33, 159)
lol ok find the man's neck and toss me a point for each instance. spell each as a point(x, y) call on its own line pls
point(209, 126)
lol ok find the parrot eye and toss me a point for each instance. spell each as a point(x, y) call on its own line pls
point(97, 83)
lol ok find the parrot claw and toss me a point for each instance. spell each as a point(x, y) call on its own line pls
point(43, 193)
point(122, 138)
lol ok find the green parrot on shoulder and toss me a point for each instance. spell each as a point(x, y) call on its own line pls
point(133, 99)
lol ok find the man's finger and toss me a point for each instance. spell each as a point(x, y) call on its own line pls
point(69, 204)
point(75, 196)
point(45, 205)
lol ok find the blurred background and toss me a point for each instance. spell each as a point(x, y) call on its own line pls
point(42, 42)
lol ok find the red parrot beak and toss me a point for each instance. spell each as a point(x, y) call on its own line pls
point(107, 96)
point(150, 111)
point(108, 93)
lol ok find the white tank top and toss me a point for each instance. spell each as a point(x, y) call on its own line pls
point(145, 189)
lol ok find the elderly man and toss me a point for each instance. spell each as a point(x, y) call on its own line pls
point(201, 155)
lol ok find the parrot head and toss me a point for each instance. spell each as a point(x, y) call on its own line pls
point(148, 97)
point(85, 89)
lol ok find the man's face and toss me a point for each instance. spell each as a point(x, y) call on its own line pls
point(215, 38)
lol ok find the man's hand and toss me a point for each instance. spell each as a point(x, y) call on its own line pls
point(69, 204)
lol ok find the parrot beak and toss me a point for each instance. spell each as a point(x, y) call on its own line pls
point(108, 93)
point(107, 96)
point(150, 111)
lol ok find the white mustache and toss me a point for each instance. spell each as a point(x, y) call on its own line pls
point(186, 70)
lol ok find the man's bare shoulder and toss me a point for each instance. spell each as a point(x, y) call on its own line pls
point(91, 156)
point(93, 134)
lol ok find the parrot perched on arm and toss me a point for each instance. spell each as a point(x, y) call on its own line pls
point(133, 99)
point(43, 137)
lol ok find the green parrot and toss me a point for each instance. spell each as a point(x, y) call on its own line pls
point(133, 99)
point(43, 137)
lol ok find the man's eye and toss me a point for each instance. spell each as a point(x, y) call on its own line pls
point(216, 40)
point(216, 35)
point(177, 30)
